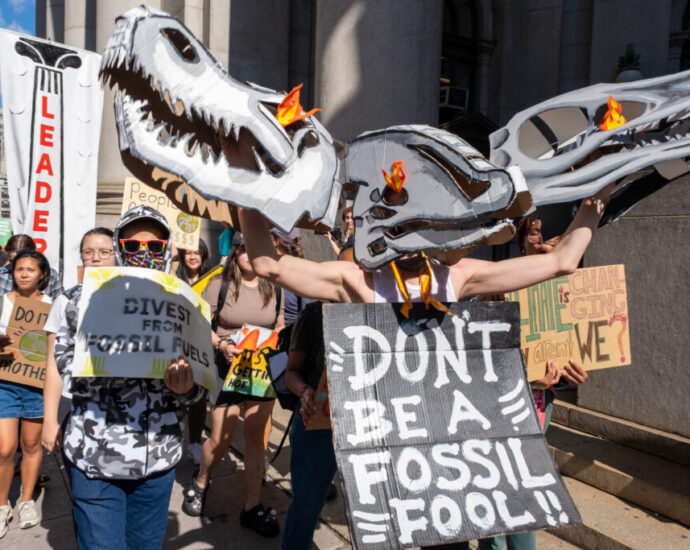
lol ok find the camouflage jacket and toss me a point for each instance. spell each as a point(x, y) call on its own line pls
point(119, 428)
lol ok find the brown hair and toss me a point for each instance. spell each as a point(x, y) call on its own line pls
point(20, 242)
point(524, 226)
point(232, 273)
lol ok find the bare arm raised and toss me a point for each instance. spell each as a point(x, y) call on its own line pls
point(473, 277)
point(334, 281)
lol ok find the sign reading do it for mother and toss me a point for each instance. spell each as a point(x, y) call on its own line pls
point(133, 321)
point(24, 360)
point(583, 316)
point(436, 435)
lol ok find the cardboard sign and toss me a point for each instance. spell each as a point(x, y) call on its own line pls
point(5, 230)
point(583, 317)
point(436, 435)
point(322, 418)
point(185, 227)
point(133, 321)
point(29, 347)
point(248, 373)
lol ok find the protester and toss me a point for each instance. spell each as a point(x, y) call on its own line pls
point(291, 244)
point(312, 457)
point(531, 242)
point(96, 250)
point(248, 299)
point(193, 264)
point(30, 273)
point(123, 437)
point(342, 236)
point(15, 244)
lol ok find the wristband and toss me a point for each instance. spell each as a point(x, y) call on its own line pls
point(304, 389)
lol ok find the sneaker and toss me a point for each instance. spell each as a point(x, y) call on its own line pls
point(5, 517)
point(263, 521)
point(29, 516)
point(195, 498)
point(194, 452)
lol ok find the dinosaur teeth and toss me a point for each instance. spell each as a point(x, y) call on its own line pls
point(259, 162)
point(236, 131)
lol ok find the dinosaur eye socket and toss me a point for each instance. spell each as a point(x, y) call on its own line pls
point(182, 44)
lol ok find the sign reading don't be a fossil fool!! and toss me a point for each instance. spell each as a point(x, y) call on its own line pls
point(436, 435)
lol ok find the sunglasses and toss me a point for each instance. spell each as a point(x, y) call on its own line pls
point(132, 246)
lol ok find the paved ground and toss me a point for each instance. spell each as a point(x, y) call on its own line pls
point(219, 528)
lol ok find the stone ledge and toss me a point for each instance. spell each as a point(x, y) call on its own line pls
point(666, 445)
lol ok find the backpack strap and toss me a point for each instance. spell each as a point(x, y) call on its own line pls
point(282, 441)
point(222, 294)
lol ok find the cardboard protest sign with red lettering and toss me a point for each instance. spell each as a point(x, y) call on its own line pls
point(53, 106)
point(185, 227)
point(583, 317)
point(322, 418)
point(24, 361)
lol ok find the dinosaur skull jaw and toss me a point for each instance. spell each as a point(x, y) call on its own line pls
point(428, 236)
point(175, 107)
point(565, 156)
point(452, 197)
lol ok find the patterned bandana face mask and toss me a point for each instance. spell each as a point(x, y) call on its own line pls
point(144, 258)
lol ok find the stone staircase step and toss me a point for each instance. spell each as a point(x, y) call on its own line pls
point(650, 481)
point(672, 447)
point(611, 523)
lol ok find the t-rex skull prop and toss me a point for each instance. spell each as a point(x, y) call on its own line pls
point(172, 102)
point(452, 197)
point(565, 155)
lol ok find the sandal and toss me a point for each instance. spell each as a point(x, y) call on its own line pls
point(263, 521)
point(195, 498)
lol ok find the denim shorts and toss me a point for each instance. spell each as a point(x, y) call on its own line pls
point(17, 401)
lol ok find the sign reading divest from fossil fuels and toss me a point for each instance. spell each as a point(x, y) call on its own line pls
point(436, 435)
point(29, 347)
point(583, 316)
point(133, 321)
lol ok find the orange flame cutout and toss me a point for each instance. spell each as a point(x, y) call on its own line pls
point(251, 340)
point(397, 178)
point(249, 343)
point(290, 110)
point(613, 117)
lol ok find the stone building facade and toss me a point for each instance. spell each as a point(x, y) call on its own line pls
point(470, 64)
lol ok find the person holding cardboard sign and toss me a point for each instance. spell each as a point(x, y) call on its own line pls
point(238, 297)
point(124, 435)
point(30, 274)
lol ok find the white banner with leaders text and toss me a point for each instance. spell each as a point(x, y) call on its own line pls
point(52, 122)
point(134, 321)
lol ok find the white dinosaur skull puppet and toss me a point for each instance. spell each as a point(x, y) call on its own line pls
point(443, 196)
point(571, 146)
point(174, 98)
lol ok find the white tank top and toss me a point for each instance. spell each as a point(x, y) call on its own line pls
point(386, 289)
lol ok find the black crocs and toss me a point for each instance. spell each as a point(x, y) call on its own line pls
point(194, 499)
point(262, 520)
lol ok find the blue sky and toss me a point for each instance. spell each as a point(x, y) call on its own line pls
point(18, 16)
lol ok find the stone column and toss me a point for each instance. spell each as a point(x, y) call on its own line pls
point(75, 23)
point(111, 171)
point(54, 20)
point(377, 64)
point(194, 17)
point(219, 29)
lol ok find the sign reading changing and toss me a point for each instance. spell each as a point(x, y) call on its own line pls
point(436, 435)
